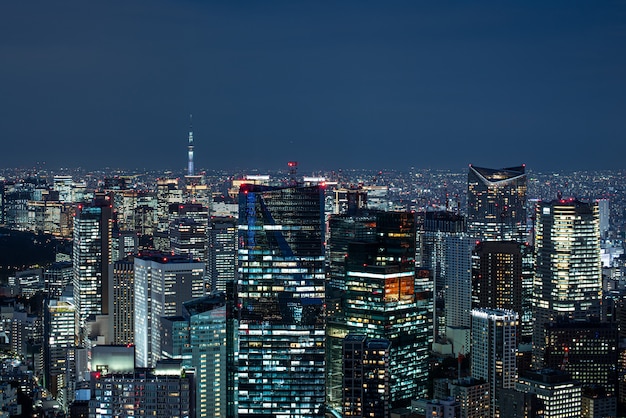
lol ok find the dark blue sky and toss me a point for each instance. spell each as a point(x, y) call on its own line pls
point(346, 84)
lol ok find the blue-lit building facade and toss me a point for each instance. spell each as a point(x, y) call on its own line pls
point(280, 364)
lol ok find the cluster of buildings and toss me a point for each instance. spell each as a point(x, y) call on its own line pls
point(310, 297)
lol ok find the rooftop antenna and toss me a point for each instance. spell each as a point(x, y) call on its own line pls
point(190, 148)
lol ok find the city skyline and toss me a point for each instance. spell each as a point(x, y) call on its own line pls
point(328, 85)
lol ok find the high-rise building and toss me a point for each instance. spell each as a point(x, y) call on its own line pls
point(343, 229)
point(604, 215)
point(496, 202)
point(494, 349)
point(432, 230)
point(59, 332)
point(222, 252)
point(189, 238)
point(93, 226)
point(502, 278)
point(125, 243)
point(458, 279)
point(384, 298)
point(568, 278)
point(122, 291)
point(281, 297)
point(365, 377)
point(162, 283)
point(57, 277)
point(198, 338)
point(168, 193)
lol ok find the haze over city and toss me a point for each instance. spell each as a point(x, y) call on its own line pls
point(376, 85)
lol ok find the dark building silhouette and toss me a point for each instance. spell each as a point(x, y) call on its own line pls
point(588, 351)
point(365, 377)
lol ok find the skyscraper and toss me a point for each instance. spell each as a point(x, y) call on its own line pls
point(122, 291)
point(432, 231)
point(281, 297)
point(188, 237)
point(222, 252)
point(93, 226)
point(198, 338)
point(502, 278)
point(494, 349)
point(568, 279)
point(496, 201)
point(365, 377)
point(59, 324)
point(458, 277)
point(162, 283)
point(384, 298)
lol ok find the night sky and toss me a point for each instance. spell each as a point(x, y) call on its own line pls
point(331, 84)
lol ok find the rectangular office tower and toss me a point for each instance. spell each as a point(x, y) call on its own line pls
point(281, 297)
point(93, 226)
point(163, 282)
point(222, 252)
point(568, 278)
point(494, 351)
point(496, 203)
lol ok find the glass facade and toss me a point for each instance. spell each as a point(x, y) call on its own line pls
point(222, 252)
point(162, 283)
point(281, 301)
point(93, 228)
point(385, 298)
point(494, 350)
point(496, 203)
point(568, 279)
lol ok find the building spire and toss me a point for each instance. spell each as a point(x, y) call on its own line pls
point(190, 148)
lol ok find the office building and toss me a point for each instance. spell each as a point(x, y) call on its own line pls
point(93, 226)
point(222, 252)
point(458, 279)
point(587, 351)
point(281, 297)
point(568, 279)
point(166, 392)
point(494, 349)
point(366, 377)
point(198, 338)
point(433, 227)
point(122, 291)
point(384, 298)
point(604, 216)
point(125, 243)
point(550, 393)
point(188, 237)
point(502, 278)
point(162, 283)
point(596, 403)
point(496, 203)
point(59, 327)
point(57, 277)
